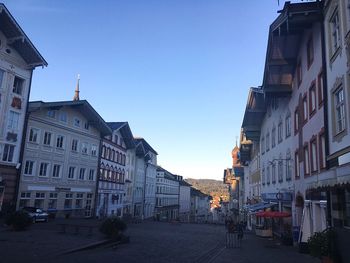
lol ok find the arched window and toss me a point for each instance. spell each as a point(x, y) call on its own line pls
point(280, 130)
point(104, 151)
point(113, 154)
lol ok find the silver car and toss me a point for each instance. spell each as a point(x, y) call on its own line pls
point(36, 214)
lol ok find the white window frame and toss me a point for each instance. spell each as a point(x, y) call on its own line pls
point(29, 168)
point(8, 154)
point(44, 166)
point(33, 136)
point(54, 171)
point(70, 174)
point(13, 120)
point(47, 138)
point(60, 145)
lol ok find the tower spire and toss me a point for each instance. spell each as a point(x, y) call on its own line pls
point(76, 93)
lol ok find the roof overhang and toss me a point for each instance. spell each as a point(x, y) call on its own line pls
point(283, 45)
point(81, 106)
point(19, 40)
point(254, 114)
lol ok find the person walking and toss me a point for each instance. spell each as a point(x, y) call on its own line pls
point(240, 228)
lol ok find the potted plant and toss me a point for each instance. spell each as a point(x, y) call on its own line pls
point(323, 245)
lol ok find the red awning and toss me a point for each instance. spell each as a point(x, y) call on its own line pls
point(273, 214)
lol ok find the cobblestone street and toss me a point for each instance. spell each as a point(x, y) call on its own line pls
point(149, 242)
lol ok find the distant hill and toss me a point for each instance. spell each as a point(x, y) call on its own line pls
point(215, 188)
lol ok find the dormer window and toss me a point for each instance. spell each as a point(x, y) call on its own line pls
point(51, 113)
point(86, 125)
point(18, 86)
point(76, 122)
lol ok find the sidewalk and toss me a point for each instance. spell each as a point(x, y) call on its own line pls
point(262, 250)
point(43, 241)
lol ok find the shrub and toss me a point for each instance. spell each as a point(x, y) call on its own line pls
point(19, 220)
point(113, 227)
point(322, 244)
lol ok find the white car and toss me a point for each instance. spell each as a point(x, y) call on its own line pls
point(36, 214)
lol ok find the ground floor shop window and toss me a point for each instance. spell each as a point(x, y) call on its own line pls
point(79, 201)
point(39, 200)
point(68, 201)
point(52, 201)
point(24, 200)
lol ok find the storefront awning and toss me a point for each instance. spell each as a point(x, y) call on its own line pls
point(259, 206)
point(273, 214)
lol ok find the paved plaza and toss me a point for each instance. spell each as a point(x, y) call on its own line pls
point(149, 242)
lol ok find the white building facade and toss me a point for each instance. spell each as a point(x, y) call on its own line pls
point(18, 58)
point(167, 195)
point(60, 160)
point(185, 201)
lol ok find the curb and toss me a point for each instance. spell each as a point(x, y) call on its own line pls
point(85, 247)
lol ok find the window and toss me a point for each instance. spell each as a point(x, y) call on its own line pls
point(280, 131)
point(313, 156)
point(71, 172)
point(76, 122)
point(273, 136)
point(288, 166)
point(339, 110)
point(84, 148)
point(320, 89)
point(43, 169)
point(59, 141)
point(28, 168)
point(13, 120)
point(280, 170)
point(306, 160)
point(299, 73)
point(296, 164)
point(79, 200)
point(2, 73)
point(268, 179)
point(312, 99)
point(7, 155)
point(51, 114)
point(322, 150)
point(334, 22)
point(296, 121)
point(74, 145)
point(94, 150)
point(53, 201)
point(86, 125)
point(56, 170)
point(267, 141)
point(39, 200)
point(18, 86)
point(63, 116)
point(91, 174)
point(68, 201)
point(47, 138)
point(310, 52)
point(115, 139)
point(25, 199)
point(305, 109)
point(273, 168)
point(288, 126)
point(33, 135)
point(82, 174)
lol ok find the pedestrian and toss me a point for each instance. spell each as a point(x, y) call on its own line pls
point(240, 233)
point(231, 234)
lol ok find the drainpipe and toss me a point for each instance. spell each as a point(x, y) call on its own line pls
point(22, 146)
point(98, 174)
point(144, 191)
point(325, 111)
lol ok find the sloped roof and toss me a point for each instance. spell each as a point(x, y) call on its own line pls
point(124, 129)
point(82, 106)
point(145, 145)
point(19, 40)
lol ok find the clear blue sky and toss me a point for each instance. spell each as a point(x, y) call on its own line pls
point(177, 70)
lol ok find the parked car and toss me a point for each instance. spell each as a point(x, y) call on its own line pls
point(36, 214)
